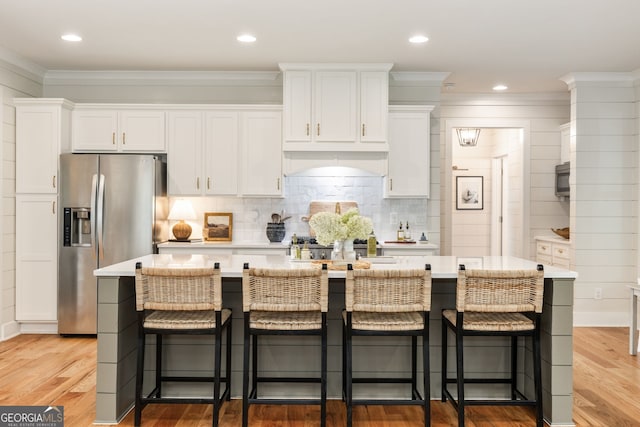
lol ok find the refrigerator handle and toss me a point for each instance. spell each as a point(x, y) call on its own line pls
point(100, 216)
point(94, 212)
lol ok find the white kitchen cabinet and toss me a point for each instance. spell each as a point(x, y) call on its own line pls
point(261, 153)
point(553, 251)
point(408, 249)
point(335, 107)
point(36, 258)
point(100, 129)
point(202, 153)
point(409, 151)
point(43, 129)
point(209, 248)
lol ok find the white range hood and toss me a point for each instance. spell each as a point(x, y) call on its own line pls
point(314, 163)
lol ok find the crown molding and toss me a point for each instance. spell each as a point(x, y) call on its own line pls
point(619, 78)
point(152, 78)
point(515, 99)
point(20, 65)
point(419, 76)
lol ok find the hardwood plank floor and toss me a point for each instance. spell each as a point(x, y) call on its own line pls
point(49, 370)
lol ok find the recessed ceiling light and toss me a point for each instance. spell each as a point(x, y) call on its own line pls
point(419, 39)
point(246, 38)
point(71, 38)
point(500, 87)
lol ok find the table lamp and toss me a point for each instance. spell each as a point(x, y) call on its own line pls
point(180, 211)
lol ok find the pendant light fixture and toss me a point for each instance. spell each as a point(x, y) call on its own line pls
point(468, 137)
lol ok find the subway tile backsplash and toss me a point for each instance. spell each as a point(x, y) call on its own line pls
point(251, 214)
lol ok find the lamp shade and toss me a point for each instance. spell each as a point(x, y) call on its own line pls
point(182, 210)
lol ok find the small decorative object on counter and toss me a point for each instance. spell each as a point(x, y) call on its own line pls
point(275, 231)
point(407, 233)
point(371, 245)
point(424, 237)
point(295, 249)
point(400, 235)
point(305, 253)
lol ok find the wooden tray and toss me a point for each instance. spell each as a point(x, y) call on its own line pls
point(341, 265)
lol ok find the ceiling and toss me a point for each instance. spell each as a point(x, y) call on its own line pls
point(527, 44)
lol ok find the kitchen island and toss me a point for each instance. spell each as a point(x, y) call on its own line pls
point(117, 334)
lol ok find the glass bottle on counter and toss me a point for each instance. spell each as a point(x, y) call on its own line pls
point(372, 245)
point(295, 249)
point(305, 253)
point(400, 235)
point(407, 233)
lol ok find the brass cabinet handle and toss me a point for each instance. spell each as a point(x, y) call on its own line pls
point(544, 248)
point(198, 183)
point(54, 181)
point(53, 207)
point(560, 251)
point(113, 138)
point(318, 129)
point(308, 129)
point(208, 183)
point(363, 129)
point(124, 141)
point(278, 183)
point(391, 184)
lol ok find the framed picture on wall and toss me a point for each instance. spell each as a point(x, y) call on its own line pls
point(469, 193)
point(218, 226)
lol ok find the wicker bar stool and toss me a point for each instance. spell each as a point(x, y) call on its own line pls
point(495, 303)
point(283, 302)
point(387, 303)
point(182, 301)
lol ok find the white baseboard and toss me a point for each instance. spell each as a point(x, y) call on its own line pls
point(9, 330)
point(39, 328)
point(599, 318)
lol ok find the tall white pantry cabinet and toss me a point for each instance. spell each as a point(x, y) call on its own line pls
point(43, 131)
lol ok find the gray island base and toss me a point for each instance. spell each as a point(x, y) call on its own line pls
point(117, 331)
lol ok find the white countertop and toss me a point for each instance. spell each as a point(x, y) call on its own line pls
point(553, 239)
point(442, 267)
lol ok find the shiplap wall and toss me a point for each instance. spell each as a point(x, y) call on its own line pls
point(604, 201)
point(14, 82)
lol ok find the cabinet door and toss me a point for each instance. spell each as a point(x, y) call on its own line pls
point(184, 158)
point(36, 258)
point(261, 158)
point(221, 153)
point(142, 131)
point(95, 131)
point(297, 106)
point(408, 154)
point(335, 106)
point(38, 133)
point(374, 99)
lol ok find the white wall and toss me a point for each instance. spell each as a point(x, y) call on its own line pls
point(14, 82)
point(604, 200)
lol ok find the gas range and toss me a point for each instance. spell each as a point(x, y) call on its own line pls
point(319, 251)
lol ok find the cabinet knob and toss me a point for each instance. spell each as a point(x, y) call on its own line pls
point(544, 248)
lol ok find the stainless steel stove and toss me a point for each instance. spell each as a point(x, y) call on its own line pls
point(319, 251)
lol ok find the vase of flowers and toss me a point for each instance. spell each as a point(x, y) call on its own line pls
point(341, 229)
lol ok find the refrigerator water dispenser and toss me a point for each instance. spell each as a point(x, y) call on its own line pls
point(77, 227)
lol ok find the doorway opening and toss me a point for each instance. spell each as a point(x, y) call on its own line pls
point(499, 162)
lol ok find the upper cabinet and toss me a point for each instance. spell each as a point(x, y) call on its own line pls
point(43, 128)
point(98, 128)
point(409, 151)
point(227, 150)
point(335, 107)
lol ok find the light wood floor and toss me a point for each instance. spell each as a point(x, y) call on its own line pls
point(49, 370)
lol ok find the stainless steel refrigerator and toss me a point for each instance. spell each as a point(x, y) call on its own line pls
point(113, 207)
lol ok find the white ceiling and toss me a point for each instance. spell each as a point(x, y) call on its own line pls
point(525, 44)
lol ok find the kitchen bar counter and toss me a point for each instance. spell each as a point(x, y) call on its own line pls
point(117, 331)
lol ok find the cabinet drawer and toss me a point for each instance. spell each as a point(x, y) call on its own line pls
point(543, 248)
point(561, 252)
point(561, 263)
point(544, 259)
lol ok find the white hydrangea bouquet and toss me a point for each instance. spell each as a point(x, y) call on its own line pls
point(330, 227)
